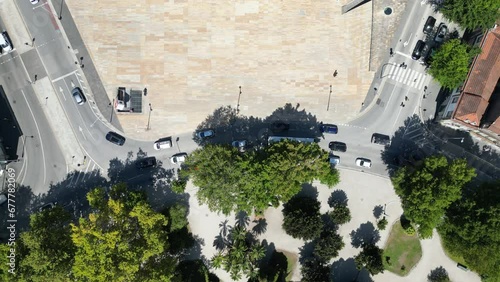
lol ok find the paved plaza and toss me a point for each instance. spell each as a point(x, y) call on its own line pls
point(193, 55)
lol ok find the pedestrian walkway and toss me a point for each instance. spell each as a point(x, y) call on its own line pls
point(407, 76)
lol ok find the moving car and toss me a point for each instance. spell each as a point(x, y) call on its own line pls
point(334, 160)
point(337, 146)
point(145, 163)
point(207, 133)
point(328, 128)
point(163, 144)
point(362, 162)
point(78, 96)
point(429, 25)
point(5, 44)
point(47, 206)
point(441, 33)
point(34, 2)
point(417, 51)
point(381, 139)
point(115, 138)
point(178, 158)
point(240, 144)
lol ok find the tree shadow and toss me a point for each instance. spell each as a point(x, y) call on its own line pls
point(306, 251)
point(378, 211)
point(260, 226)
point(273, 267)
point(345, 270)
point(242, 219)
point(308, 190)
point(364, 235)
point(338, 197)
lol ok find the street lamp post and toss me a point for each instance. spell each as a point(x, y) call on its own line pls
point(24, 144)
point(149, 118)
point(60, 11)
point(238, 105)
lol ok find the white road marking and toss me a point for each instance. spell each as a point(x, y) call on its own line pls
point(64, 76)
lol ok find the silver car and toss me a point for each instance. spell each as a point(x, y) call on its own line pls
point(207, 133)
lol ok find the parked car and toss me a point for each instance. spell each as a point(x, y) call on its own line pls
point(178, 158)
point(145, 163)
point(5, 44)
point(441, 33)
point(3, 199)
point(204, 134)
point(163, 144)
point(427, 58)
point(78, 96)
point(429, 24)
point(47, 206)
point(362, 162)
point(279, 126)
point(328, 128)
point(417, 51)
point(115, 138)
point(334, 160)
point(381, 139)
point(34, 2)
point(240, 144)
point(337, 146)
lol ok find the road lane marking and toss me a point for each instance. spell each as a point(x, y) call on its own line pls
point(64, 76)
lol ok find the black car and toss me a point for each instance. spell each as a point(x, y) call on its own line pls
point(115, 138)
point(145, 163)
point(381, 139)
point(328, 128)
point(337, 146)
point(429, 25)
point(279, 126)
point(78, 96)
point(417, 51)
point(441, 33)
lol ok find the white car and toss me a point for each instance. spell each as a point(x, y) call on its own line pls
point(163, 144)
point(240, 144)
point(178, 158)
point(5, 44)
point(34, 2)
point(362, 162)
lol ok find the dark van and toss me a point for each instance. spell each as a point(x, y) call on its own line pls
point(429, 25)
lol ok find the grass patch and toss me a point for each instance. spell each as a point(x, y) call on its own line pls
point(291, 260)
point(402, 251)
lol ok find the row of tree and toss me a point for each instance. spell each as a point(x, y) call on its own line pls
point(230, 181)
point(122, 239)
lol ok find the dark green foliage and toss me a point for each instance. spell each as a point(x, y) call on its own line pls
point(340, 214)
point(313, 270)
point(328, 245)
point(231, 181)
point(191, 271)
point(302, 219)
point(382, 224)
point(471, 14)
point(427, 190)
point(471, 230)
point(450, 63)
point(371, 259)
point(438, 274)
point(177, 216)
point(178, 186)
point(241, 254)
point(275, 270)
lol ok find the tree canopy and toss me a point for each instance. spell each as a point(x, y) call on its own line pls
point(428, 190)
point(328, 245)
point(302, 218)
point(314, 270)
point(471, 230)
point(122, 240)
point(371, 259)
point(231, 181)
point(471, 14)
point(450, 64)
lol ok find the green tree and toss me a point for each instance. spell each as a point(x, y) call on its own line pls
point(471, 230)
point(123, 239)
point(471, 14)
point(46, 252)
point(450, 64)
point(314, 270)
point(427, 190)
point(302, 218)
point(328, 245)
point(241, 254)
point(229, 181)
point(382, 224)
point(370, 258)
point(438, 274)
point(340, 214)
point(275, 269)
point(177, 217)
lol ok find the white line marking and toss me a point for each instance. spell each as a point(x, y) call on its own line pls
point(64, 76)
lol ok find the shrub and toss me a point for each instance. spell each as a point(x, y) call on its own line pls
point(382, 224)
point(179, 186)
point(340, 214)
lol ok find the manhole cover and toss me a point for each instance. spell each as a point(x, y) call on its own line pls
point(388, 11)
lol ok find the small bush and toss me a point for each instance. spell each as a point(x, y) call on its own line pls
point(340, 214)
point(382, 224)
point(409, 230)
point(179, 186)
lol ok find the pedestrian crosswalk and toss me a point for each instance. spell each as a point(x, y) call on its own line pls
point(407, 76)
point(88, 170)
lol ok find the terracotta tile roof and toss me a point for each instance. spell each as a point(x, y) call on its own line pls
point(481, 81)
